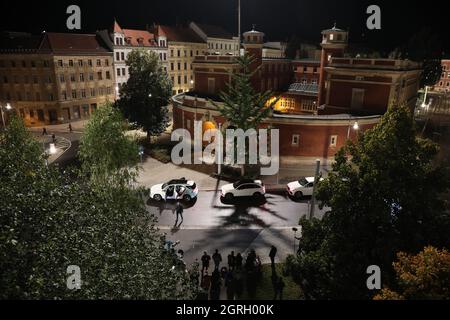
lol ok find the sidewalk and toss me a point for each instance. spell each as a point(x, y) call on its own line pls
point(77, 126)
point(61, 144)
point(155, 172)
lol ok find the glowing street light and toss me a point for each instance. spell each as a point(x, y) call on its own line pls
point(52, 148)
point(7, 107)
point(356, 126)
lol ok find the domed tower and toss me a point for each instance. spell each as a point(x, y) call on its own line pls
point(334, 43)
point(253, 44)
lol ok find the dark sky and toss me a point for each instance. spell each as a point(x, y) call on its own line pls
point(279, 19)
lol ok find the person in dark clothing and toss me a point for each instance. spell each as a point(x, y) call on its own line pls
point(70, 128)
point(53, 138)
point(231, 261)
point(44, 131)
point(238, 262)
point(215, 285)
point(272, 254)
point(279, 289)
point(217, 258)
point(205, 261)
point(179, 212)
point(230, 284)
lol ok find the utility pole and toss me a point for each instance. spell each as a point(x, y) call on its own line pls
point(313, 197)
point(239, 27)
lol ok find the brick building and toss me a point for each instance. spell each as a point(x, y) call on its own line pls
point(55, 77)
point(322, 103)
point(443, 84)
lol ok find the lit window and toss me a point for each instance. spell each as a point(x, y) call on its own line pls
point(333, 141)
point(331, 37)
point(295, 139)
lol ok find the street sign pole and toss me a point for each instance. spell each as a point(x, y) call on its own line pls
point(313, 198)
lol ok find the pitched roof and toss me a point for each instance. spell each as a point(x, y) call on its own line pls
point(19, 42)
point(304, 88)
point(214, 31)
point(116, 27)
point(139, 37)
point(72, 43)
point(181, 34)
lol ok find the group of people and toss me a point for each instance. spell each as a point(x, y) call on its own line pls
point(234, 274)
point(44, 131)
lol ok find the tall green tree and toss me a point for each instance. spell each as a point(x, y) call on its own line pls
point(243, 106)
point(50, 220)
point(146, 94)
point(106, 152)
point(384, 194)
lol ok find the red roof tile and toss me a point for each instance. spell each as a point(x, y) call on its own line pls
point(139, 37)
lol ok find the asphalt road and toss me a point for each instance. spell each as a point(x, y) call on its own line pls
point(210, 224)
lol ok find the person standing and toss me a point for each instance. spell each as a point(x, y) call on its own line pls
point(179, 212)
point(272, 254)
point(217, 258)
point(238, 262)
point(231, 261)
point(44, 131)
point(205, 261)
point(53, 138)
point(70, 128)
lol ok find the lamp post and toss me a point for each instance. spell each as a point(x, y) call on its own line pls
point(8, 107)
point(313, 197)
point(295, 236)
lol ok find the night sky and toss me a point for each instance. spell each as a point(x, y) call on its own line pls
point(279, 19)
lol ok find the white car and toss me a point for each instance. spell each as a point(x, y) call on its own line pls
point(302, 187)
point(244, 188)
point(179, 189)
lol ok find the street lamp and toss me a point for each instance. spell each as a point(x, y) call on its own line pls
point(8, 107)
point(356, 126)
point(295, 236)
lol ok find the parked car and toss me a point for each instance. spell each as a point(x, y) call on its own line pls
point(244, 188)
point(179, 189)
point(300, 188)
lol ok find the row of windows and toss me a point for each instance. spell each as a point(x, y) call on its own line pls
point(62, 78)
point(304, 69)
point(185, 53)
point(178, 64)
point(24, 64)
point(222, 46)
point(74, 94)
point(83, 93)
point(185, 80)
point(295, 140)
point(119, 41)
point(441, 84)
point(81, 63)
point(275, 67)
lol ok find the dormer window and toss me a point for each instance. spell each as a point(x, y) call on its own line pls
point(140, 41)
point(128, 40)
point(331, 37)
